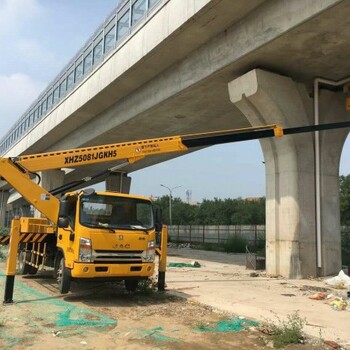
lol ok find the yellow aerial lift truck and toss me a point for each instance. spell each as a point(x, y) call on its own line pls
point(100, 235)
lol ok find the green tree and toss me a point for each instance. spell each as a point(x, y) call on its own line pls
point(344, 192)
point(214, 212)
point(344, 189)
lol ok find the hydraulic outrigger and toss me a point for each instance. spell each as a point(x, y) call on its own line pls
point(74, 247)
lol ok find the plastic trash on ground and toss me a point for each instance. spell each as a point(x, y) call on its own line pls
point(341, 281)
point(318, 296)
point(338, 304)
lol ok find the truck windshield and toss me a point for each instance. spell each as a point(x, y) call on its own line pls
point(112, 212)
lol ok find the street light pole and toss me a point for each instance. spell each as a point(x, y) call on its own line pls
point(170, 200)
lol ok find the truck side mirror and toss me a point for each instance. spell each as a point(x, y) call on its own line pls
point(88, 191)
point(67, 204)
point(158, 224)
point(63, 222)
point(63, 209)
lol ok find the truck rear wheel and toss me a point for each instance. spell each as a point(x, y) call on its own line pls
point(63, 276)
point(24, 268)
point(131, 285)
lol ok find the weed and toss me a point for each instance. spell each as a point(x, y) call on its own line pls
point(235, 244)
point(3, 253)
point(211, 247)
point(147, 286)
point(4, 231)
point(286, 332)
point(201, 326)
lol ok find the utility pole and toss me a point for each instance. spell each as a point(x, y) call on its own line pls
point(170, 200)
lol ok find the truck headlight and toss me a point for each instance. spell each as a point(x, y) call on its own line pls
point(149, 254)
point(151, 244)
point(85, 251)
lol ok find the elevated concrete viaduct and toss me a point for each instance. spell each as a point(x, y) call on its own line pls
point(202, 65)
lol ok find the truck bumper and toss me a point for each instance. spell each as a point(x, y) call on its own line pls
point(86, 270)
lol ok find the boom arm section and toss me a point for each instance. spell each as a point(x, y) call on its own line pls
point(33, 193)
point(136, 150)
point(15, 171)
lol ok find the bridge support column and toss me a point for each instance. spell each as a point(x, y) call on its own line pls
point(267, 98)
point(332, 109)
point(26, 210)
point(119, 182)
point(50, 179)
point(4, 196)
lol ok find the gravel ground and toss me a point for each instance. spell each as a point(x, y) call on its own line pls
point(188, 315)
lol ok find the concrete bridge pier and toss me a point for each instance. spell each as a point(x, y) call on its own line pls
point(118, 182)
point(19, 207)
point(332, 109)
point(267, 98)
point(4, 196)
point(50, 179)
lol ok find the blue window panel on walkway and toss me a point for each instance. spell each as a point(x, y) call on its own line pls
point(70, 81)
point(110, 39)
point(138, 10)
point(98, 52)
point(44, 107)
point(152, 3)
point(49, 101)
point(123, 25)
point(79, 72)
point(56, 95)
point(63, 88)
point(88, 62)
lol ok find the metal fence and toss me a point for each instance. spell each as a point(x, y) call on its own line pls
point(221, 233)
point(214, 233)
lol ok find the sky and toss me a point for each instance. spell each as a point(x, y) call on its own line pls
point(39, 37)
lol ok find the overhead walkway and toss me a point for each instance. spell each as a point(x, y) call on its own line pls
point(110, 35)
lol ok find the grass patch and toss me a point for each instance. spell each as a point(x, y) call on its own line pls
point(345, 246)
point(286, 332)
point(210, 247)
point(235, 244)
point(3, 253)
point(202, 326)
point(4, 231)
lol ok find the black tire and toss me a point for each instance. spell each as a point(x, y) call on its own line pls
point(23, 268)
point(63, 276)
point(131, 285)
point(32, 270)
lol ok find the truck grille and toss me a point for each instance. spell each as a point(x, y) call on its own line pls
point(117, 256)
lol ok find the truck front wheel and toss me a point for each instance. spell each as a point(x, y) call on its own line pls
point(63, 276)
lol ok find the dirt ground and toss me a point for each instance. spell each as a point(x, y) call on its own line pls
point(189, 315)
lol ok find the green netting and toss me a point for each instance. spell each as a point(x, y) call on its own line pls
point(157, 334)
point(192, 264)
point(234, 325)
